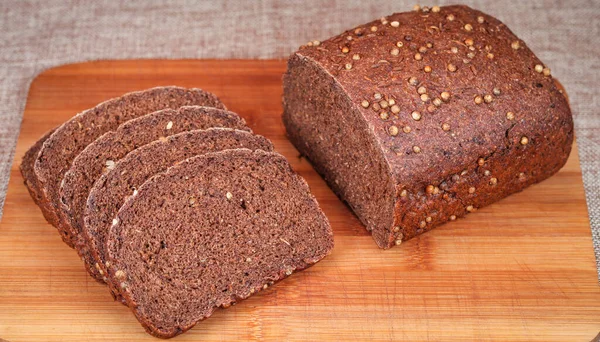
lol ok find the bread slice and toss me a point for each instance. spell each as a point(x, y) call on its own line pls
point(26, 168)
point(59, 150)
point(211, 231)
point(110, 191)
point(429, 116)
point(101, 155)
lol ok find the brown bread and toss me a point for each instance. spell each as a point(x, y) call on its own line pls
point(111, 190)
point(211, 231)
point(422, 117)
point(59, 150)
point(26, 168)
point(102, 154)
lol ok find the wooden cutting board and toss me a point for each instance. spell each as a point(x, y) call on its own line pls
point(519, 270)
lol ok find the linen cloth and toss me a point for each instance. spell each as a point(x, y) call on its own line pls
point(37, 35)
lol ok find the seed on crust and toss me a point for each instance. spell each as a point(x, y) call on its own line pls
point(546, 72)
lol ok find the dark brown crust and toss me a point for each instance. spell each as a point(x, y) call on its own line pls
point(26, 168)
point(91, 163)
point(59, 150)
point(192, 176)
point(460, 155)
point(112, 188)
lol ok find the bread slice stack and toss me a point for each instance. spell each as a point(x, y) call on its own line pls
point(173, 202)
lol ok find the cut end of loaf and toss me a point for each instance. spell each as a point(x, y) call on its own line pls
point(323, 124)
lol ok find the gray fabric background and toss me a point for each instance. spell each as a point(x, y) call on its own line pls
point(36, 35)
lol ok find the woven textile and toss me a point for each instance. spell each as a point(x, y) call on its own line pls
point(36, 35)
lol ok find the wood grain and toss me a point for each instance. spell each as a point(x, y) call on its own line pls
point(519, 270)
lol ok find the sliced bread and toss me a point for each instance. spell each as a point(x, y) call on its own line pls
point(101, 155)
point(210, 231)
point(110, 191)
point(26, 168)
point(59, 150)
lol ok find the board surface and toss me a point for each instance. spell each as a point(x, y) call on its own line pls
point(521, 269)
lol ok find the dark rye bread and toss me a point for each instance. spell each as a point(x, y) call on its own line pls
point(59, 150)
point(419, 118)
point(111, 190)
point(26, 168)
point(100, 156)
point(210, 231)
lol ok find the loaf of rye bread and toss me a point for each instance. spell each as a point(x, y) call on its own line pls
point(58, 151)
point(419, 118)
point(128, 174)
point(210, 231)
point(101, 155)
